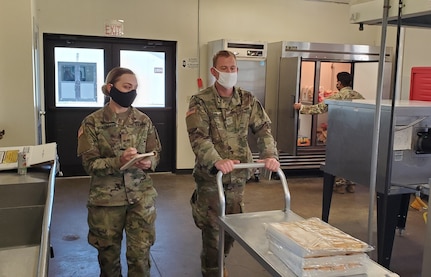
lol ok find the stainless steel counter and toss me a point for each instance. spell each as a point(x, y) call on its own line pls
point(25, 216)
point(350, 139)
point(402, 166)
point(19, 261)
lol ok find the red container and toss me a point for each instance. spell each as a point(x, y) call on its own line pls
point(420, 84)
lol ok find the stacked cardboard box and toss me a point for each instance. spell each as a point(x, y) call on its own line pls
point(312, 247)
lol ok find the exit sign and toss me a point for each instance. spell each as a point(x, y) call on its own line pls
point(114, 28)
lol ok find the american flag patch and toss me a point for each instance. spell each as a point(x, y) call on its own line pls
point(80, 131)
point(190, 111)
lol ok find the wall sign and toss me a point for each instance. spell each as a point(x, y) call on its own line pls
point(190, 62)
point(114, 28)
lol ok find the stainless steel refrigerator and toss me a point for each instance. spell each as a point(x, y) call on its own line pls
point(306, 72)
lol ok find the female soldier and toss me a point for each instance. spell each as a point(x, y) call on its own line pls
point(120, 199)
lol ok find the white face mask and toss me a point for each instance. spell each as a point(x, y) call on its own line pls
point(227, 80)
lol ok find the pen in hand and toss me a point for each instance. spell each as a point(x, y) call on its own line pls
point(124, 149)
point(127, 154)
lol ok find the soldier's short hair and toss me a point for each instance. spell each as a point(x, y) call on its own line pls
point(222, 53)
point(345, 79)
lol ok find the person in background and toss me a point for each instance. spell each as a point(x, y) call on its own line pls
point(218, 121)
point(345, 92)
point(120, 200)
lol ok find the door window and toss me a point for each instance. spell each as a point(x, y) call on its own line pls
point(149, 68)
point(308, 69)
point(327, 87)
point(78, 77)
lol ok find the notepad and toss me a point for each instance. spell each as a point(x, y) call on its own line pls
point(136, 159)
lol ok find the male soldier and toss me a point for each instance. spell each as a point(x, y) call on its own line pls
point(218, 121)
point(345, 92)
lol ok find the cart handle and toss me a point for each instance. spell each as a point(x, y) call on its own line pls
point(222, 207)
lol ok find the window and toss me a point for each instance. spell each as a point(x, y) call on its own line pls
point(150, 71)
point(79, 77)
point(77, 82)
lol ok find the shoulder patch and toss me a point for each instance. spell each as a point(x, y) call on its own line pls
point(80, 131)
point(191, 111)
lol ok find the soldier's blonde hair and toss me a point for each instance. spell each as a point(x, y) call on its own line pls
point(113, 76)
point(222, 53)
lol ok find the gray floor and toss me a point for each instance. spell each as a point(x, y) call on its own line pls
point(176, 251)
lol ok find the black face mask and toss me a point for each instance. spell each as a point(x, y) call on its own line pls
point(121, 98)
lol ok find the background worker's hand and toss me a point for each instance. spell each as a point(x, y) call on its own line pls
point(297, 106)
point(270, 164)
point(226, 165)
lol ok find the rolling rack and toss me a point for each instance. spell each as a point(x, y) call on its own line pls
point(248, 229)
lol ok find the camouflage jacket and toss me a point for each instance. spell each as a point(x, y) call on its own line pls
point(102, 138)
point(218, 129)
point(346, 93)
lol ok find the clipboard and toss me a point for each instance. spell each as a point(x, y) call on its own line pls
point(37, 154)
point(137, 158)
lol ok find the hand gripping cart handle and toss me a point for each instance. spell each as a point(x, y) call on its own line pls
point(222, 206)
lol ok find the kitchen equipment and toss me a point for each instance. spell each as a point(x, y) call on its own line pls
point(306, 72)
point(401, 169)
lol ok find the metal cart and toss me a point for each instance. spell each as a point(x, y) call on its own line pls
point(249, 231)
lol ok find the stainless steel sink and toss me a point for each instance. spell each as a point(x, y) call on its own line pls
point(22, 203)
point(25, 216)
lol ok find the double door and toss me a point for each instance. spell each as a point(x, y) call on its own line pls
point(75, 70)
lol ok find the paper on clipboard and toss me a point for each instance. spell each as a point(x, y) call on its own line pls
point(37, 154)
point(42, 153)
point(136, 159)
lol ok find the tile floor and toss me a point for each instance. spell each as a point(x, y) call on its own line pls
point(177, 248)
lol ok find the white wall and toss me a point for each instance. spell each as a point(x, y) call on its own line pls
point(190, 23)
point(161, 19)
point(416, 52)
point(17, 112)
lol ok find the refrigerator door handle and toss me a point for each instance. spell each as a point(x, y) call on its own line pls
point(291, 105)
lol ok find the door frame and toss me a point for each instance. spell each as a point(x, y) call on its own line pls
point(166, 126)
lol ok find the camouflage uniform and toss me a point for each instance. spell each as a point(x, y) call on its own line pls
point(119, 200)
point(346, 93)
point(218, 129)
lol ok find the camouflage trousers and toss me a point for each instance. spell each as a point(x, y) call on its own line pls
point(205, 210)
point(106, 225)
